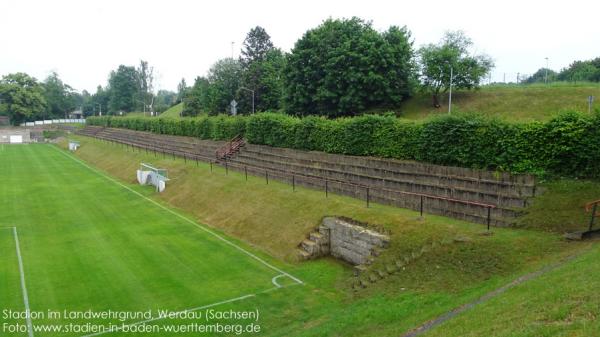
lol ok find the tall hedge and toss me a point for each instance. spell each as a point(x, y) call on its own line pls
point(568, 145)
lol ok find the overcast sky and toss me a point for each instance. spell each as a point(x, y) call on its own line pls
point(84, 40)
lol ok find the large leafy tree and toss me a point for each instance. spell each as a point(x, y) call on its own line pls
point(224, 79)
point(101, 101)
point(21, 97)
point(542, 75)
point(451, 53)
point(256, 46)
point(123, 89)
point(262, 70)
point(265, 77)
point(196, 98)
point(60, 97)
point(581, 71)
point(344, 67)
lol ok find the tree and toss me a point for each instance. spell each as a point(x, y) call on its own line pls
point(21, 97)
point(541, 76)
point(123, 89)
point(164, 100)
point(100, 101)
point(256, 46)
point(196, 98)
point(146, 86)
point(224, 83)
point(344, 67)
point(265, 78)
point(581, 71)
point(87, 103)
point(60, 97)
point(452, 53)
point(181, 90)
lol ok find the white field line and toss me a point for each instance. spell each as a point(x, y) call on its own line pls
point(183, 217)
point(154, 319)
point(23, 286)
point(274, 280)
point(180, 312)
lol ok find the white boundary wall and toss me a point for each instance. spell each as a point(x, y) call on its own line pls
point(54, 121)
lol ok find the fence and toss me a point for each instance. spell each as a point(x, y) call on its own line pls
point(456, 208)
point(54, 121)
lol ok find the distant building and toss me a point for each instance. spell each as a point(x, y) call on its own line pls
point(4, 120)
point(77, 114)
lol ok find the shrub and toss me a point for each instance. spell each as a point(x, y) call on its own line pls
point(567, 145)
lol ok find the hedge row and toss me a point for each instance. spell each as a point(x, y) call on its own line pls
point(568, 145)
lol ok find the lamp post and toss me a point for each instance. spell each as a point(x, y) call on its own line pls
point(450, 93)
point(252, 91)
point(546, 76)
point(100, 105)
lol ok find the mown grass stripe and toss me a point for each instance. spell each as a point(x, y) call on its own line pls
point(265, 263)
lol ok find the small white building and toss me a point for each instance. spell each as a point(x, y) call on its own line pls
point(15, 136)
point(77, 114)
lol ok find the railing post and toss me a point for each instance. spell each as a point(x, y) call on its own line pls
point(184, 159)
point(326, 188)
point(421, 207)
point(246, 172)
point(211, 166)
point(593, 216)
point(226, 168)
point(293, 182)
point(489, 211)
point(267, 176)
point(368, 197)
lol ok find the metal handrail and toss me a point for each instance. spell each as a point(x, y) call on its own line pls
point(592, 206)
point(309, 176)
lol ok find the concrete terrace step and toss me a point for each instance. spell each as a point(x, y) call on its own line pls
point(348, 176)
point(389, 168)
point(393, 184)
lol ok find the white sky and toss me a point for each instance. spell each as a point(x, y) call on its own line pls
point(84, 40)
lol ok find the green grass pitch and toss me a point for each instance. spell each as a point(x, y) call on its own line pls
point(89, 243)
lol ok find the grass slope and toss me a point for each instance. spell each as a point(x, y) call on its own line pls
point(274, 219)
point(560, 208)
point(173, 112)
point(515, 103)
point(563, 302)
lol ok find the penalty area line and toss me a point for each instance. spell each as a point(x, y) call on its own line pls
point(154, 319)
point(265, 263)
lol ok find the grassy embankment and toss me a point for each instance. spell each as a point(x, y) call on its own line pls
point(274, 220)
point(511, 102)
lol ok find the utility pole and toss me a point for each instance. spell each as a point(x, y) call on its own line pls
point(450, 93)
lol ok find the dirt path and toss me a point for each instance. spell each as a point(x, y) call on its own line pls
point(453, 313)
